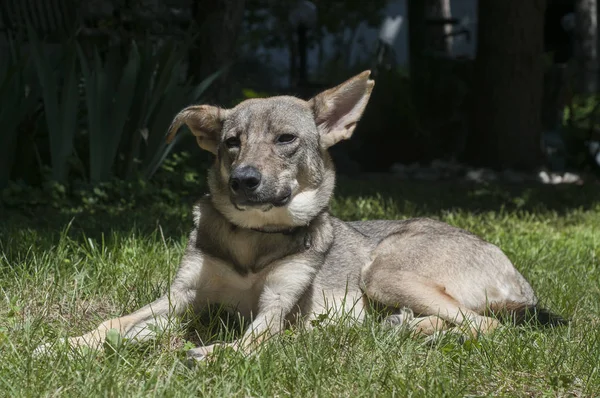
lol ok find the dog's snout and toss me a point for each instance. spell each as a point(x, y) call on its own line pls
point(245, 178)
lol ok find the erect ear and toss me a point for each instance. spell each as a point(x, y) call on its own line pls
point(205, 122)
point(337, 110)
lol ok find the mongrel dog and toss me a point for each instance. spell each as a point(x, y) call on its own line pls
point(265, 244)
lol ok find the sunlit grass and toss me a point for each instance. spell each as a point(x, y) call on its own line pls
point(63, 279)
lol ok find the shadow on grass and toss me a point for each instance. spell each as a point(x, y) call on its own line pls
point(407, 198)
point(436, 197)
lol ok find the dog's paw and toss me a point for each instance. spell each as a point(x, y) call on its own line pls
point(197, 354)
point(445, 337)
point(73, 347)
point(59, 347)
point(402, 318)
point(44, 350)
point(206, 353)
point(194, 358)
point(482, 326)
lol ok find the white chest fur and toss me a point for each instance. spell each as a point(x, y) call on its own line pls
point(219, 283)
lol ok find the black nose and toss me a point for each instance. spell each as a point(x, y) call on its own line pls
point(245, 178)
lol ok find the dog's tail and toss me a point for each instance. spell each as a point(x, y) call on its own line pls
point(526, 314)
point(538, 316)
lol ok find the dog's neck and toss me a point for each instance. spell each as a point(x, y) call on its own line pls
point(278, 230)
point(284, 230)
point(288, 232)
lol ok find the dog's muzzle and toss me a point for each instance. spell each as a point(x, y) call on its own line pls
point(244, 180)
point(249, 190)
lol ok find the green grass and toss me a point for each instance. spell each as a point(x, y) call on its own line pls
point(62, 274)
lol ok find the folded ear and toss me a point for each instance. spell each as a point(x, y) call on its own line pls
point(337, 110)
point(205, 122)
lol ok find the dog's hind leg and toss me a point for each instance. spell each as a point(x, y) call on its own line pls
point(426, 325)
point(397, 288)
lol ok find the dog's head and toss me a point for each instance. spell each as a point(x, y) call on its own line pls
point(272, 169)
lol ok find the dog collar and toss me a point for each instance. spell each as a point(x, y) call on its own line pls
point(283, 231)
point(287, 232)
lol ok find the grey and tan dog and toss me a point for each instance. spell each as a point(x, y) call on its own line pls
point(265, 245)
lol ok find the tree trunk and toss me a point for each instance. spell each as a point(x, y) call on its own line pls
point(505, 127)
point(435, 87)
point(586, 46)
point(439, 39)
point(219, 24)
point(417, 36)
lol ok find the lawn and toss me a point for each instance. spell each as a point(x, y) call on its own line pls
point(64, 271)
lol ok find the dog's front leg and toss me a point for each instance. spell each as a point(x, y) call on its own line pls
point(282, 289)
point(140, 325)
point(144, 323)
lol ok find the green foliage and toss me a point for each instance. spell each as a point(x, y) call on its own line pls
point(248, 93)
point(109, 93)
point(176, 177)
point(58, 78)
point(164, 96)
point(581, 124)
point(130, 104)
point(57, 20)
point(581, 112)
point(18, 101)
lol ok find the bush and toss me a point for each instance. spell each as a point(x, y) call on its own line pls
point(177, 178)
point(581, 128)
point(104, 114)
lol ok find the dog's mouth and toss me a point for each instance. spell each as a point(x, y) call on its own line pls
point(264, 204)
point(283, 200)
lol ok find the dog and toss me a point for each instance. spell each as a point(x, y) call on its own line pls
point(264, 244)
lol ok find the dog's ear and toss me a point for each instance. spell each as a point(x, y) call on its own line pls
point(337, 110)
point(205, 122)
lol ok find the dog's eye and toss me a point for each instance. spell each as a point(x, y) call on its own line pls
point(286, 138)
point(232, 142)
